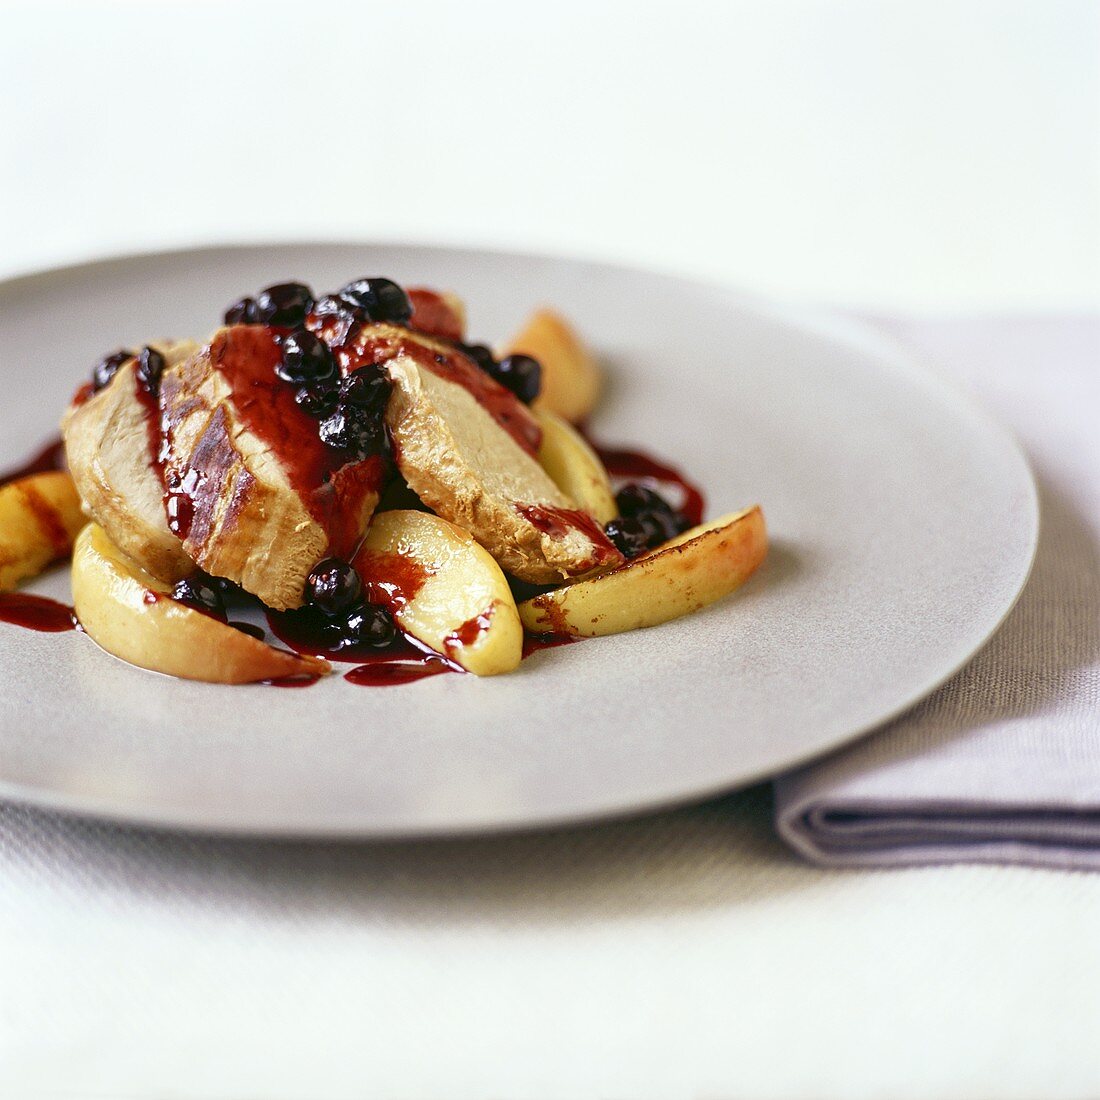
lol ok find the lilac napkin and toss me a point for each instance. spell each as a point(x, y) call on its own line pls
point(1002, 764)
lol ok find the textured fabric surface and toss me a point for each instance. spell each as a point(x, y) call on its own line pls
point(1002, 763)
point(688, 954)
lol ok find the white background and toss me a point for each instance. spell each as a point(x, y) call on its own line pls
point(894, 156)
point(878, 153)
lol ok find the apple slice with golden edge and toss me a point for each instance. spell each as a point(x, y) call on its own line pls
point(687, 573)
point(40, 516)
point(133, 615)
point(574, 467)
point(571, 378)
point(443, 588)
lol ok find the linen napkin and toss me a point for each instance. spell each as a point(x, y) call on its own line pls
point(1002, 764)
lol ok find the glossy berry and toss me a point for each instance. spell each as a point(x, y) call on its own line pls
point(348, 429)
point(242, 312)
point(522, 375)
point(306, 358)
point(366, 388)
point(284, 304)
point(658, 526)
point(150, 366)
point(629, 536)
point(340, 320)
point(200, 592)
point(633, 499)
point(659, 519)
point(107, 367)
point(680, 523)
point(378, 299)
point(318, 398)
point(330, 304)
point(481, 355)
point(368, 625)
point(333, 586)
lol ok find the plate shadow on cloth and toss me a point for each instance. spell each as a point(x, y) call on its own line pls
point(711, 855)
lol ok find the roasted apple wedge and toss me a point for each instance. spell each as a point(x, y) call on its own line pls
point(40, 516)
point(574, 467)
point(443, 588)
point(687, 573)
point(133, 615)
point(571, 377)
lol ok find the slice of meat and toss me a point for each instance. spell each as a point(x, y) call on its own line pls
point(466, 446)
point(253, 493)
point(112, 444)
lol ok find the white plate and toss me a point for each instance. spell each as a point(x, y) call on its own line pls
point(903, 523)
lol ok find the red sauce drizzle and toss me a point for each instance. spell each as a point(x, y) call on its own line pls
point(558, 522)
point(50, 457)
point(501, 404)
point(332, 489)
point(83, 392)
point(629, 465)
point(387, 671)
point(390, 580)
point(36, 612)
point(535, 643)
point(154, 431)
point(403, 661)
point(292, 681)
point(470, 630)
point(432, 315)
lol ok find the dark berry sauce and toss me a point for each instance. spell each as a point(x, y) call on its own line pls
point(154, 432)
point(51, 457)
point(630, 465)
point(246, 357)
point(36, 612)
point(366, 347)
point(402, 661)
point(558, 522)
point(391, 669)
point(535, 643)
point(331, 487)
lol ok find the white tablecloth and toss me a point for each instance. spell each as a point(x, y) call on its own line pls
point(891, 156)
point(688, 954)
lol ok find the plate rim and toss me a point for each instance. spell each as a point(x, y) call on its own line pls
point(826, 323)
